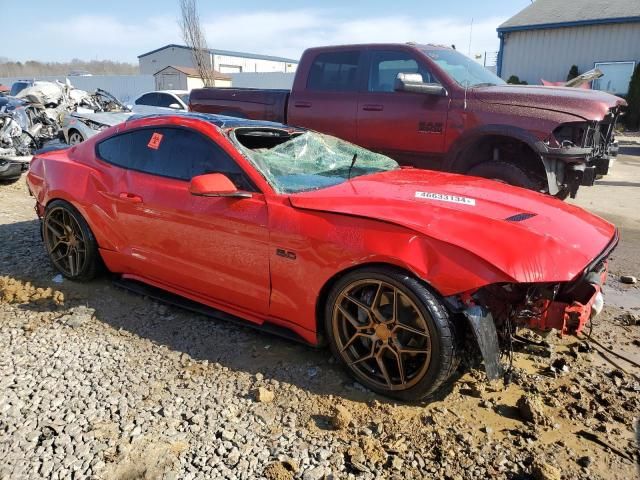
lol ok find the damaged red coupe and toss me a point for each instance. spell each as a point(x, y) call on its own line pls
point(303, 233)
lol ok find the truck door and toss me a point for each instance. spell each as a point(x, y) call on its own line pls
point(407, 126)
point(329, 100)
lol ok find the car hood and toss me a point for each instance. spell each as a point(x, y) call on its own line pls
point(586, 104)
point(529, 236)
point(104, 118)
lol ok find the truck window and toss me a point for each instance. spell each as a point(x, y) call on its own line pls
point(334, 72)
point(385, 66)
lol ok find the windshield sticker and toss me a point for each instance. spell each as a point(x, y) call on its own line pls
point(154, 143)
point(442, 197)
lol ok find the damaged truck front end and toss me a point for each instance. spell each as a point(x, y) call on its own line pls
point(577, 154)
point(496, 312)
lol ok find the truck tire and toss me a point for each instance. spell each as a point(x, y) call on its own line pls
point(505, 172)
point(391, 333)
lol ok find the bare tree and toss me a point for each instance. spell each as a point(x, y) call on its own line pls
point(194, 38)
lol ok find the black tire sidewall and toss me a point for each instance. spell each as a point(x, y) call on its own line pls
point(425, 300)
point(90, 268)
point(507, 172)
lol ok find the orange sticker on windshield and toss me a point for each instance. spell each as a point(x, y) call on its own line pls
point(154, 143)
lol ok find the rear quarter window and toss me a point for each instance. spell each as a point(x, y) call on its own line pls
point(334, 72)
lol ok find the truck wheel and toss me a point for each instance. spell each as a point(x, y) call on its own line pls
point(505, 172)
point(391, 333)
point(71, 246)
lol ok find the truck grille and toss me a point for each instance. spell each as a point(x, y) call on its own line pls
point(599, 135)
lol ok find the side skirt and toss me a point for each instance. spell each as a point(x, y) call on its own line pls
point(182, 302)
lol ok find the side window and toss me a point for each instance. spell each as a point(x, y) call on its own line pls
point(171, 152)
point(385, 66)
point(115, 150)
point(164, 100)
point(147, 99)
point(335, 72)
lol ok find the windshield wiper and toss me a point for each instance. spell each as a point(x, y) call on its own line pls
point(353, 162)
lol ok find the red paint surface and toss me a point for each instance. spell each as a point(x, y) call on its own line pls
point(222, 251)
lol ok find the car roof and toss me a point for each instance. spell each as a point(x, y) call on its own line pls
point(221, 121)
point(174, 92)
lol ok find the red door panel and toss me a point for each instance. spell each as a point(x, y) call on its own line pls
point(404, 125)
point(212, 246)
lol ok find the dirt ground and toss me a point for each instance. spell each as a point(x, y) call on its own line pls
point(571, 410)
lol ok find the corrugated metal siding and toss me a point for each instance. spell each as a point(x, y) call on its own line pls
point(549, 54)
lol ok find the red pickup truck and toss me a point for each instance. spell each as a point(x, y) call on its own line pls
point(432, 107)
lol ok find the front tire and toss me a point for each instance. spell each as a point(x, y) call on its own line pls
point(75, 137)
point(391, 333)
point(507, 173)
point(69, 242)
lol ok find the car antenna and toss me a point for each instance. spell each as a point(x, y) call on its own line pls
point(466, 84)
point(353, 162)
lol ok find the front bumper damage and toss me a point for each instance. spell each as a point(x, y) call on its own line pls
point(578, 154)
point(566, 307)
point(11, 169)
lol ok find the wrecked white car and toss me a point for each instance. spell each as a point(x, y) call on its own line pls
point(79, 126)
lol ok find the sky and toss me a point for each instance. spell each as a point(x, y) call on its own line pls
point(59, 30)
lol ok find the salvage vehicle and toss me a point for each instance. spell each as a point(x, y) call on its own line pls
point(12, 168)
point(20, 85)
point(432, 107)
point(16, 138)
point(99, 111)
point(78, 126)
point(309, 236)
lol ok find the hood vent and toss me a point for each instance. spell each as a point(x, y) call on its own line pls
point(519, 217)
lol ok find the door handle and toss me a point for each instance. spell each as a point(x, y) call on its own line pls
point(130, 197)
point(373, 108)
point(302, 104)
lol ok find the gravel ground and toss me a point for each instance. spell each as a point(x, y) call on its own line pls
point(96, 382)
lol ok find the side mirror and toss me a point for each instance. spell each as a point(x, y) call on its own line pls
point(176, 106)
point(215, 185)
point(412, 82)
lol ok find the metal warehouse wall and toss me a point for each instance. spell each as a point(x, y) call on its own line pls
point(124, 87)
point(154, 62)
point(271, 80)
point(549, 54)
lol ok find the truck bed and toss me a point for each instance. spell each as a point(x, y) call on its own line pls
point(253, 103)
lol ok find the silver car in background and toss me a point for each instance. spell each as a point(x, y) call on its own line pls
point(78, 126)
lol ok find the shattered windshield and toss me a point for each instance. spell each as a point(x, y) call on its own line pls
point(307, 161)
point(462, 69)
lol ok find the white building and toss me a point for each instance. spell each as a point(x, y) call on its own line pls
point(222, 61)
point(545, 39)
point(186, 78)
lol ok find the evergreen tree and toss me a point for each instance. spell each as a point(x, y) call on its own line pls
point(573, 72)
point(633, 99)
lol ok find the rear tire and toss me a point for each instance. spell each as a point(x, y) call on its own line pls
point(507, 173)
point(391, 333)
point(69, 242)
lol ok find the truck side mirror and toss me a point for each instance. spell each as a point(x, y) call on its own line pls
point(413, 82)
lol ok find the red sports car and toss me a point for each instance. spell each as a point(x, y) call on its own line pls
point(296, 231)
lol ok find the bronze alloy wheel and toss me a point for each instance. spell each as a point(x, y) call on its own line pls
point(65, 241)
point(381, 334)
